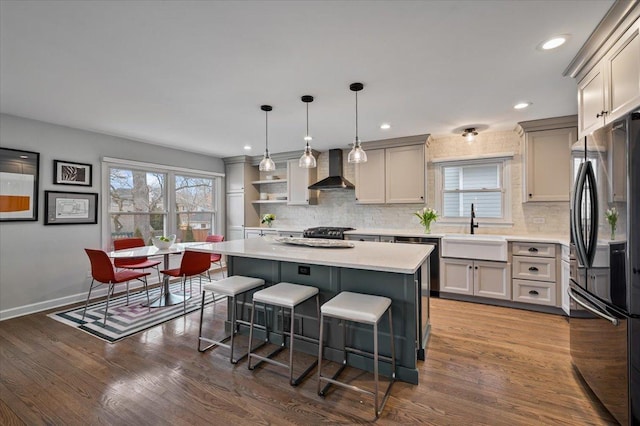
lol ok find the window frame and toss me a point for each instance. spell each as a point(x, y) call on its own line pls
point(504, 161)
point(171, 221)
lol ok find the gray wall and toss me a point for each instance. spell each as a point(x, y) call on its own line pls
point(45, 266)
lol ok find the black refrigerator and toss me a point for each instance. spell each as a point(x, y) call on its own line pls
point(605, 265)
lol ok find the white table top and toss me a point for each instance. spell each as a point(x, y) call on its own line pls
point(148, 251)
point(373, 256)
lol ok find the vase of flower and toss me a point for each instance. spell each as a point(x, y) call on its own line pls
point(612, 218)
point(426, 216)
point(268, 219)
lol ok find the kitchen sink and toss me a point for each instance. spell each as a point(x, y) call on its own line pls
point(479, 247)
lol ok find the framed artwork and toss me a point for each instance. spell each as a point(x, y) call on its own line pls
point(70, 208)
point(69, 173)
point(18, 185)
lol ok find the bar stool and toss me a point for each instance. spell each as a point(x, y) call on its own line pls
point(283, 295)
point(231, 287)
point(360, 308)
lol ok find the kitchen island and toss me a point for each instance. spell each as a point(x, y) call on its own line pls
point(397, 271)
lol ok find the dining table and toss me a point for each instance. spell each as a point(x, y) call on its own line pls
point(166, 298)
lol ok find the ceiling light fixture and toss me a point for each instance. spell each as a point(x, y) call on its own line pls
point(522, 105)
point(554, 42)
point(385, 126)
point(470, 134)
point(357, 154)
point(266, 164)
point(247, 147)
point(307, 161)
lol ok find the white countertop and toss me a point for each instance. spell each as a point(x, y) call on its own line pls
point(372, 256)
point(389, 232)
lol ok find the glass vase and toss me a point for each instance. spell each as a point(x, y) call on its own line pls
point(427, 228)
point(613, 233)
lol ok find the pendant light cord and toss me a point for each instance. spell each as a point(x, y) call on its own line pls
point(266, 131)
point(357, 139)
point(307, 125)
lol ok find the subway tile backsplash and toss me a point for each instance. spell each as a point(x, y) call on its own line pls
point(339, 208)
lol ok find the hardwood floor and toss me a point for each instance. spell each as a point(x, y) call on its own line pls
point(485, 365)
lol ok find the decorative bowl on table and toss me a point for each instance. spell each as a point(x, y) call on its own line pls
point(163, 242)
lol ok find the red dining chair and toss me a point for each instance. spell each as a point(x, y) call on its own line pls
point(215, 257)
point(192, 263)
point(134, 262)
point(102, 272)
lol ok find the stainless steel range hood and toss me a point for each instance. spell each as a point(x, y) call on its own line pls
point(335, 179)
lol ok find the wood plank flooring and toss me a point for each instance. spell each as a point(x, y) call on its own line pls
point(485, 365)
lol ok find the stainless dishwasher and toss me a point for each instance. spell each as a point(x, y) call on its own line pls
point(434, 262)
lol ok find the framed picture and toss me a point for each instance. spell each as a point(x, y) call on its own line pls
point(69, 173)
point(70, 208)
point(18, 185)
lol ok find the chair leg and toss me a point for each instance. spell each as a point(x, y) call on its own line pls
point(127, 293)
point(221, 270)
point(201, 319)
point(184, 293)
point(158, 271)
point(88, 296)
point(146, 288)
point(253, 313)
point(106, 309)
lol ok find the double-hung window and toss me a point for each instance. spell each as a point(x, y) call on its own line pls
point(485, 183)
point(147, 200)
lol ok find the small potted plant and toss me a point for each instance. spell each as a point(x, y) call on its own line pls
point(426, 216)
point(612, 218)
point(268, 218)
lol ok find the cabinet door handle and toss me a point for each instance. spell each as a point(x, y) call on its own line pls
point(533, 269)
point(533, 292)
point(476, 267)
point(470, 266)
point(533, 249)
point(530, 195)
point(602, 114)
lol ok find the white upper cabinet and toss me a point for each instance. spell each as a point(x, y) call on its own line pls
point(370, 177)
point(612, 87)
point(235, 177)
point(392, 175)
point(298, 181)
point(405, 174)
point(547, 156)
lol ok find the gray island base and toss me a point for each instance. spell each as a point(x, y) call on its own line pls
point(397, 271)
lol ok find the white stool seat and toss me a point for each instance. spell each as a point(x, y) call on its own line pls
point(285, 294)
point(233, 285)
point(357, 307)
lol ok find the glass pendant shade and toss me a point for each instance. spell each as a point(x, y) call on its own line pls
point(307, 161)
point(266, 164)
point(357, 154)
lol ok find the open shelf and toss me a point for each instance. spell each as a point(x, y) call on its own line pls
point(269, 201)
point(260, 182)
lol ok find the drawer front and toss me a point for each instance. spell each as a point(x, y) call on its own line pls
point(533, 249)
point(534, 268)
point(537, 292)
point(358, 237)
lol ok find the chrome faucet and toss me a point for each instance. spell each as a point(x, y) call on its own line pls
point(473, 216)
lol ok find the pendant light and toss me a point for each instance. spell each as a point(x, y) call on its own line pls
point(357, 154)
point(307, 161)
point(266, 164)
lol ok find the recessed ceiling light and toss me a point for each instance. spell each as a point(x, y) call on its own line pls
point(247, 147)
point(385, 126)
point(24, 156)
point(553, 42)
point(521, 105)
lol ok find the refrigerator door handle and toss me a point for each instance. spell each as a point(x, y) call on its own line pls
point(576, 218)
point(592, 244)
point(594, 311)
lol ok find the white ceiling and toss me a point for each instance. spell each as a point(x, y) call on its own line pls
point(193, 74)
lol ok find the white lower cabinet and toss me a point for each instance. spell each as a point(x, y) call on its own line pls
point(534, 273)
point(475, 277)
point(255, 233)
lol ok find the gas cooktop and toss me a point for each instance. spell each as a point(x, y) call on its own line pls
point(327, 232)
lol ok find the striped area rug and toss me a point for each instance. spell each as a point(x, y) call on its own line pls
point(126, 320)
